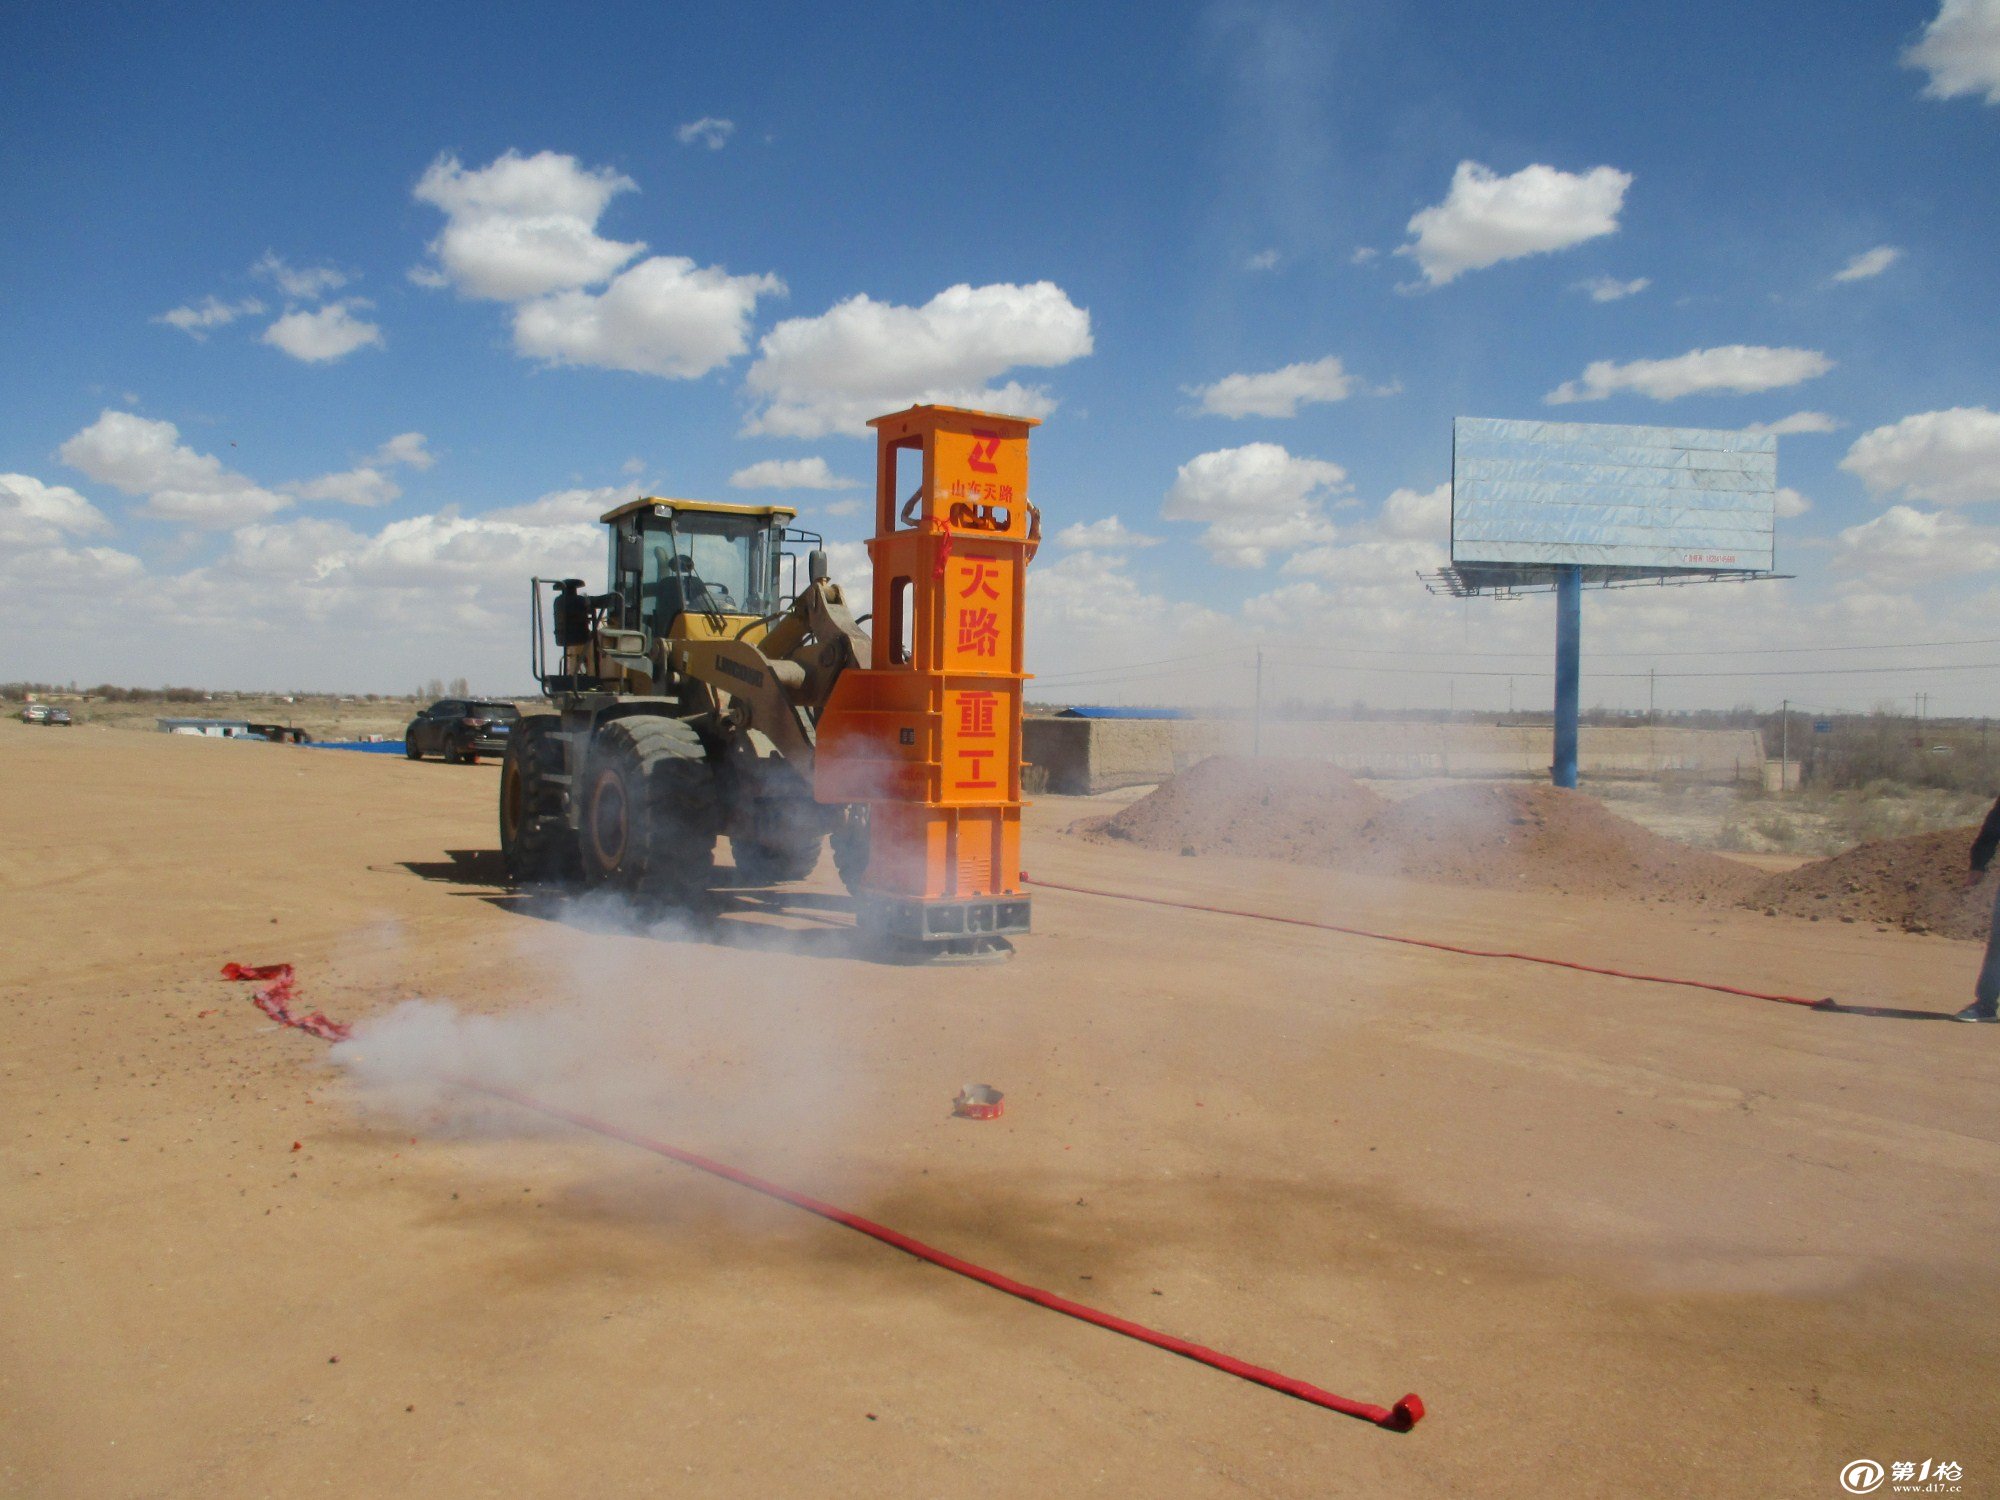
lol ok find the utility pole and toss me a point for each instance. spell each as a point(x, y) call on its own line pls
point(1257, 722)
point(1784, 742)
point(1652, 749)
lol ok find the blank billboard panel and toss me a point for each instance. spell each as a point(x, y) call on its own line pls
point(1648, 499)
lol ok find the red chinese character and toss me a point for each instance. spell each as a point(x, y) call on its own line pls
point(980, 581)
point(1006, 494)
point(979, 631)
point(977, 781)
point(975, 715)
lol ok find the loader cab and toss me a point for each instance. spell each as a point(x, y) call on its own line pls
point(716, 567)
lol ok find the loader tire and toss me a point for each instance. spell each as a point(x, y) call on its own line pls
point(537, 845)
point(650, 814)
point(761, 863)
point(850, 846)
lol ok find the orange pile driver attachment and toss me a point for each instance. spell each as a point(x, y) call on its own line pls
point(929, 736)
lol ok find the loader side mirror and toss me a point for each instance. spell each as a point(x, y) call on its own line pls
point(816, 565)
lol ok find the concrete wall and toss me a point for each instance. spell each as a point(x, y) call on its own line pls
point(1083, 756)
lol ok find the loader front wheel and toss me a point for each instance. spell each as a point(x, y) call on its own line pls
point(650, 811)
point(759, 863)
point(850, 846)
point(537, 845)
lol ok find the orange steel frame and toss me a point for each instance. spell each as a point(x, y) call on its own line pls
point(929, 735)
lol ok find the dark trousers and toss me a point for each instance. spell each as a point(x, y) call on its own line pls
point(1987, 990)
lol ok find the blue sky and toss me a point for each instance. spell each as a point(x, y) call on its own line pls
point(329, 326)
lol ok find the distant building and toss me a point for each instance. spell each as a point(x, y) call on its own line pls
point(233, 729)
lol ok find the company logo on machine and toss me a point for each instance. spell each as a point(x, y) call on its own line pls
point(740, 672)
point(984, 452)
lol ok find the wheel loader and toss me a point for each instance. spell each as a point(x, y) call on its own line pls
point(722, 686)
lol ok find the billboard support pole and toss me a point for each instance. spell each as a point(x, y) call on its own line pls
point(1569, 633)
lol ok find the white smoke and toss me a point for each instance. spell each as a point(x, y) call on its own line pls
point(664, 1024)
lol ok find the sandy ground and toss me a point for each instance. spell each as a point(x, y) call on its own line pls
point(1624, 1239)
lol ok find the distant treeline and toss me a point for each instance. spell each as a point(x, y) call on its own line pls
point(106, 692)
point(1840, 752)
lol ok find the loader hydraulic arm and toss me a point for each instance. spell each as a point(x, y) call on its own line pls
point(778, 684)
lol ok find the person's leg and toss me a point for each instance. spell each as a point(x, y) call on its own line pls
point(1986, 989)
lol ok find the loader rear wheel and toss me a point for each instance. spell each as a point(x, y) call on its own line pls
point(537, 845)
point(850, 846)
point(650, 811)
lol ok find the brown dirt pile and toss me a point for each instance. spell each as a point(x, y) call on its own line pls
point(1512, 836)
point(1916, 883)
point(1293, 810)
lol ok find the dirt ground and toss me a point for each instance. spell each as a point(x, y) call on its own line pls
point(1624, 1239)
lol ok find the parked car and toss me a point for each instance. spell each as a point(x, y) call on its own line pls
point(460, 729)
point(35, 713)
point(58, 716)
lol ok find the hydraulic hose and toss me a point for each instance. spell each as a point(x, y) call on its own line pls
point(1401, 1417)
point(1823, 1003)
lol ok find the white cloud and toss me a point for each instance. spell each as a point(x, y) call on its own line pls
point(523, 230)
point(1108, 534)
point(1791, 503)
point(1950, 457)
point(1798, 421)
point(666, 316)
point(707, 131)
point(580, 507)
point(843, 508)
point(524, 226)
point(1263, 260)
point(790, 474)
point(1733, 367)
point(34, 514)
point(1960, 49)
point(367, 484)
point(1276, 393)
point(406, 448)
point(1423, 515)
point(196, 318)
point(1362, 255)
point(1486, 219)
point(1255, 500)
point(306, 283)
point(139, 456)
point(1089, 615)
point(848, 564)
point(1377, 562)
point(1869, 263)
point(324, 334)
point(862, 358)
point(1905, 545)
point(363, 486)
point(1611, 289)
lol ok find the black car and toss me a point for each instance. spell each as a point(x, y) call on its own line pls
point(58, 718)
point(460, 729)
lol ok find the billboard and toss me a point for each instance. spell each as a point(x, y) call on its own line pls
point(1622, 501)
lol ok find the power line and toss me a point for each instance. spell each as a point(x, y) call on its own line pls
point(1973, 666)
point(1649, 655)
